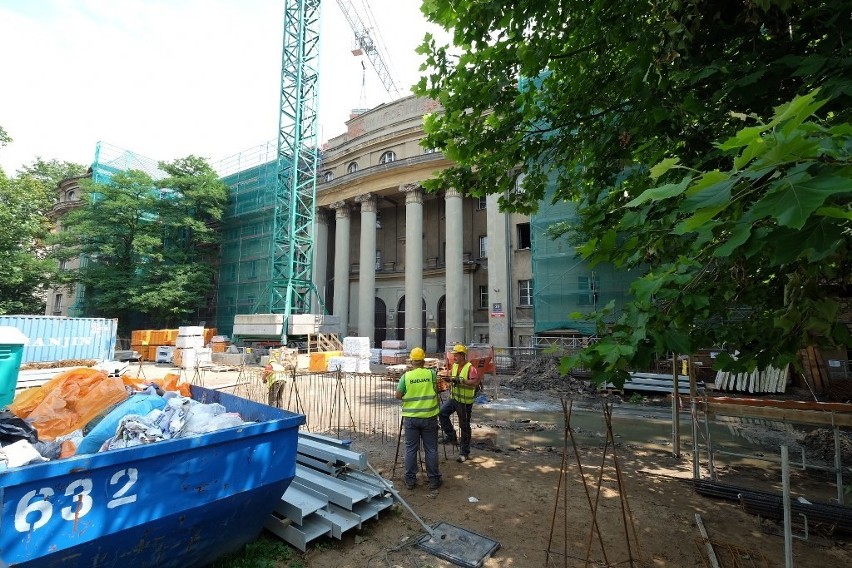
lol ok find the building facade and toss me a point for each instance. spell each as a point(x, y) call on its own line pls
point(396, 262)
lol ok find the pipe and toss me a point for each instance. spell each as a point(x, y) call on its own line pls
point(838, 466)
point(693, 392)
point(675, 413)
point(399, 498)
point(788, 528)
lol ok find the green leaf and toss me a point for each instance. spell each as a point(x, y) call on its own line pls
point(699, 218)
point(792, 202)
point(661, 192)
point(663, 167)
point(738, 236)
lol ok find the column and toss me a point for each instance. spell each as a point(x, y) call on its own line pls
point(455, 268)
point(320, 259)
point(500, 285)
point(413, 264)
point(341, 265)
point(367, 259)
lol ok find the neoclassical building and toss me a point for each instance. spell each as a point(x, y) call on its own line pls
point(396, 262)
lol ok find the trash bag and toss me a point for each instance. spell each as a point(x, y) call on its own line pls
point(13, 429)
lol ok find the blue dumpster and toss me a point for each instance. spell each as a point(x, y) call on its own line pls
point(12, 343)
point(177, 503)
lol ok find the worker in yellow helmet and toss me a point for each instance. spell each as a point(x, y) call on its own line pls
point(465, 381)
point(418, 390)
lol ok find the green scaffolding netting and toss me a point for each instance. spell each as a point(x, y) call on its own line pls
point(563, 283)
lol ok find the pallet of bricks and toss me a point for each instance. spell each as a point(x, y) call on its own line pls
point(394, 352)
point(355, 357)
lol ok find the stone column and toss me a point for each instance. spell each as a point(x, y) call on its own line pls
point(413, 264)
point(455, 269)
point(320, 259)
point(341, 265)
point(500, 285)
point(367, 259)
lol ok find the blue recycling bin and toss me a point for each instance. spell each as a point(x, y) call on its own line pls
point(12, 343)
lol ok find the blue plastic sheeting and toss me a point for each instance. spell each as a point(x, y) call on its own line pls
point(178, 503)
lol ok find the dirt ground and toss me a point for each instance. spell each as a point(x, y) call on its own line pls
point(513, 496)
point(519, 497)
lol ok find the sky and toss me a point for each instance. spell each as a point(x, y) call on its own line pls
point(170, 78)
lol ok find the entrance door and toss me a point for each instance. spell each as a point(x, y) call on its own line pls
point(380, 323)
point(442, 323)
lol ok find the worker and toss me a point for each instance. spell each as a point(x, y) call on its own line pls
point(418, 391)
point(465, 381)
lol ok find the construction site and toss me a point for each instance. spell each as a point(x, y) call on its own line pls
point(335, 263)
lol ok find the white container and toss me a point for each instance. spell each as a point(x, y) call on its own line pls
point(164, 354)
point(184, 341)
point(187, 330)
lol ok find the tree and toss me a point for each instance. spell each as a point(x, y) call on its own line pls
point(613, 89)
point(148, 243)
point(23, 269)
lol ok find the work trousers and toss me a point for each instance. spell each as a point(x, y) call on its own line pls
point(423, 430)
point(463, 411)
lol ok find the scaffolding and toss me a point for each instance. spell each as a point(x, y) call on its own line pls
point(565, 283)
point(245, 272)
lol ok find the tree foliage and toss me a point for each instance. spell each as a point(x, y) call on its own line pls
point(620, 110)
point(147, 244)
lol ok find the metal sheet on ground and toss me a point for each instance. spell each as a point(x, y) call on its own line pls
point(457, 545)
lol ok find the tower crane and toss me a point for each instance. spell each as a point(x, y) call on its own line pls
point(371, 45)
point(291, 285)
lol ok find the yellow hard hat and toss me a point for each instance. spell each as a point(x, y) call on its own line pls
point(459, 348)
point(417, 354)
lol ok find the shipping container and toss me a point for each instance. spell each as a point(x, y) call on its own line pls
point(178, 503)
point(55, 338)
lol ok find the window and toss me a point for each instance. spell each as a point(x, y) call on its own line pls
point(483, 297)
point(482, 203)
point(233, 272)
point(378, 219)
point(524, 341)
point(352, 168)
point(57, 303)
point(378, 260)
point(519, 182)
point(483, 246)
point(328, 176)
point(525, 292)
point(429, 150)
point(63, 265)
point(71, 195)
point(387, 157)
point(524, 238)
point(587, 287)
point(253, 269)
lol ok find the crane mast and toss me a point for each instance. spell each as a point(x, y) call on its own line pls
point(295, 189)
point(372, 47)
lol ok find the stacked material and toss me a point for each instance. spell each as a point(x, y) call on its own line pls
point(770, 379)
point(319, 360)
point(191, 358)
point(395, 344)
point(357, 348)
point(333, 492)
point(394, 356)
point(375, 356)
point(349, 364)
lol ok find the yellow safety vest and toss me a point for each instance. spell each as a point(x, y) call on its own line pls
point(420, 399)
point(462, 393)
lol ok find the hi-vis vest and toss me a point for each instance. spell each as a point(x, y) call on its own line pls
point(461, 393)
point(421, 399)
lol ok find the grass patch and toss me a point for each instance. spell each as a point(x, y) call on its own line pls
point(265, 552)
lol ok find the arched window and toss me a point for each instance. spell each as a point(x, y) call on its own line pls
point(328, 176)
point(387, 157)
point(352, 168)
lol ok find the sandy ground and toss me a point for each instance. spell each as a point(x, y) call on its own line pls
point(531, 501)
